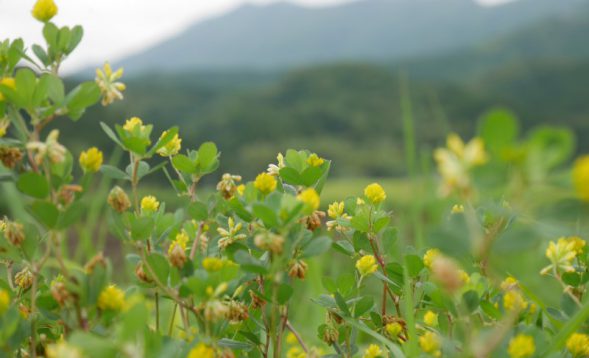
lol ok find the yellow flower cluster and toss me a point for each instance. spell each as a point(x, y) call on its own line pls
point(111, 298)
point(310, 197)
point(366, 265)
point(455, 161)
point(514, 301)
point(181, 240)
point(149, 204)
point(578, 345)
point(521, 346)
point(372, 351)
point(430, 256)
point(431, 319)
point(201, 350)
point(44, 10)
point(110, 88)
point(172, 147)
point(375, 193)
point(212, 264)
point(4, 301)
point(430, 344)
point(265, 183)
point(393, 329)
point(562, 253)
point(62, 349)
point(315, 161)
point(91, 160)
point(7, 82)
point(581, 177)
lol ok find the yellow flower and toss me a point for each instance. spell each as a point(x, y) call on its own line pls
point(172, 147)
point(180, 240)
point(464, 277)
point(2, 225)
point(296, 352)
point(149, 204)
point(201, 350)
point(372, 351)
point(521, 346)
point(509, 283)
point(111, 298)
point(4, 301)
point(265, 183)
point(576, 242)
point(335, 209)
point(457, 209)
point(110, 88)
point(240, 189)
point(135, 126)
point(212, 264)
point(561, 255)
point(314, 160)
point(430, 344)
point(91, 160)
point(310, 197)
point(7, 82)
point(393, 329)
point(431, 319)
point(366, 265)
point(375, 193)
point(44, 10)
point(62, 349)
point(291, 339)
point(455, 161)
point(581, 177)
point(430, 256)
point(514, 301)
point(4, 123)
point(578, 345)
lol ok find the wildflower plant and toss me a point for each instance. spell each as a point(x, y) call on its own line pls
point(221, 274)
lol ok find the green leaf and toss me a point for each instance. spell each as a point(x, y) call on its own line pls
point(471, 300)
point(141, 227)
point(76, 36)
point(235, 345)
point(33, 184)
point(45, 212)
point(290, 176)
point(364, 305)
point(311, 175)
point(198, 211)
point(159, 265)
point(569, 328)
point(207, 157)
point(114, 172)
point(84, 95)
point(109, 132)
point(341, 303)
point(184, 164)
point(50, 33)
point(499, 129)
point(414, 265)
point(71, 215)
point(249, 263)
point(285, 292)
point(41, 54)
point(316, 246)
point(266, 214)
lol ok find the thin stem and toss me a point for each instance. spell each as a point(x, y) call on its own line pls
point(297, 335)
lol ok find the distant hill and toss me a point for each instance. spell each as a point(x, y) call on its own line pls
point(284, 35)
point(560, 38)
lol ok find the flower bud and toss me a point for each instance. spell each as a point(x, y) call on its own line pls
point(330, 335)
point(177, 256)
point(269, 241)
point(237, 312)
point(59, 290)
point(257, 301)
point(44, 10)
point(24, 279)
point(297, 269)
point(4, 301)
point(14, 232)
point(98, 259)
point(10, 156)
point(447, 273)
point(313, 221)
point(118, 199)
point(91, 160)
point(141, 274)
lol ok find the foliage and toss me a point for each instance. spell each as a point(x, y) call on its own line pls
point(219, 275)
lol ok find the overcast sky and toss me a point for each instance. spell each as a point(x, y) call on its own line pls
point(116, 28)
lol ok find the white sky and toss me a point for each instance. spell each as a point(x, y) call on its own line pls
point(117, 28)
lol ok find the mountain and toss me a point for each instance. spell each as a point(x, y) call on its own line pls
point(283, 35)
point(560, 39)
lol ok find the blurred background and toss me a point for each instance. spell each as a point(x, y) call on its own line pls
point(258, 77)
